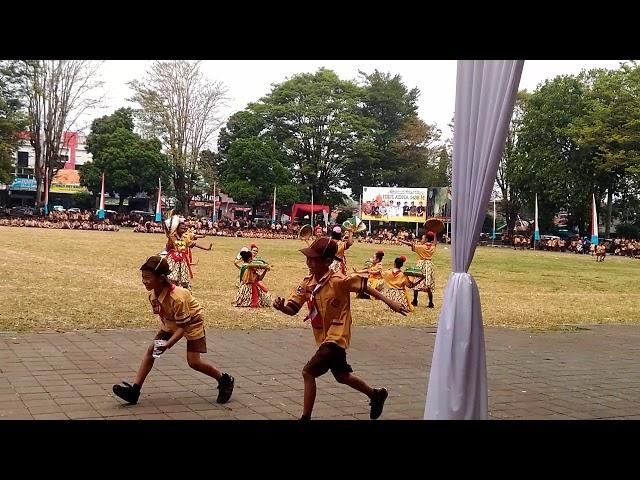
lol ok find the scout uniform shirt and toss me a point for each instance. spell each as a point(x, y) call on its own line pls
point(177, 308)
point(333, 301)
point(424, 250)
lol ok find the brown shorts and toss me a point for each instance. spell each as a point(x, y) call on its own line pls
point(199, 345)
point(328, 357)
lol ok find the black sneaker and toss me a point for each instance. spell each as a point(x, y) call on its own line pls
point(377, 402)
point(129, 393)
point(225, 388)
point(414, 303)
point(430, 305)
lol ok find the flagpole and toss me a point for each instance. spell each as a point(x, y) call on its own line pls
point(594, 221)
point(273, 213)
point(536, 232)
point(158, 204)
point(493, 238)
point(312, 209)
point(215, 212)
point(46, 191)
point(101, 210)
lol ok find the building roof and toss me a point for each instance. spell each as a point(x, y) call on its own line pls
point(67, 176)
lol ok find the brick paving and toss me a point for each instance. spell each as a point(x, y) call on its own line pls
point(590, 373)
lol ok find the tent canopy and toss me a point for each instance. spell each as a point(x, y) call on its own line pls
point(308, 208)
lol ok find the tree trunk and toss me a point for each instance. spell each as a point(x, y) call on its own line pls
point(607, 228)
point(121, 204)
point(39, 190)
point(181, 193)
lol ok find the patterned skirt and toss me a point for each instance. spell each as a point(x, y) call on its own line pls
point(429, 281)
point(253, 295)
point(178, 272)
point(339, 266)
point(399, 296)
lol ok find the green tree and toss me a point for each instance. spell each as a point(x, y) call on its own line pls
point(12, 121)
point(209, 168)
point(254, 168)
point(414, 159)
point(393, 109)
point(511, 200)
point(84, 200)
point(319, 122)
point(548, 160)
point(131, 163)
point(611, 128)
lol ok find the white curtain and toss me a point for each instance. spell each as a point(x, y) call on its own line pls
point(485, 95)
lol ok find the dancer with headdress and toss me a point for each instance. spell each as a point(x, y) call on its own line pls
point(251, 292)
point(397, 284)
point(177, 251)
point(373, 271)
point(425, 250)
point(180, 241)
point(344, 243)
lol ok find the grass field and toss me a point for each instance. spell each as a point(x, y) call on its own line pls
point(62, 280)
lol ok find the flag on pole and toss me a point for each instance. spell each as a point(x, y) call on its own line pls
point(594, 221)
point(215, 208)
point(101, 210)
point(273, 212)
point(46, 191)
point(494, 219)
point(536, 233)
point(158, 206)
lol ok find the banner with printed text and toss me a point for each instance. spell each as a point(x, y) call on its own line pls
point(398, 204)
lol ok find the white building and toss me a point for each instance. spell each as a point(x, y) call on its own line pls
point(74, 150)
point(22, 190)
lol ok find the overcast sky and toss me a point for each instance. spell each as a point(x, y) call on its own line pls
point(248, 80)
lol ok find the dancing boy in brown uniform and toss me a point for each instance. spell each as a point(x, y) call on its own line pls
point(180, 315)
point(327, 294)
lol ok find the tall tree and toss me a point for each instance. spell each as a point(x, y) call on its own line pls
point(181, 107)
point(511, 201)
point(414, 159)
point(611, 128)
point(57, 93)
point(318, 120)
point(131, 164)
point(254, 168)
point(548, 160)
point(12, 121)
point(393, 108)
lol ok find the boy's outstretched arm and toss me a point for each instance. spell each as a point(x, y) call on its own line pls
point(395, 306)
point(290, 308)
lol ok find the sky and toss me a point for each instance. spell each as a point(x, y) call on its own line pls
point(248, 80)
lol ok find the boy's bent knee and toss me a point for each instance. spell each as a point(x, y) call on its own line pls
point(341, 377)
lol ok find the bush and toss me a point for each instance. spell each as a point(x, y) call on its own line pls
point(84, 200)
point(342, 216)
point(628, 230)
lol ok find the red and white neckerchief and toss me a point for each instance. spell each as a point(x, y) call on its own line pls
point(157, 306)
point(313, 315)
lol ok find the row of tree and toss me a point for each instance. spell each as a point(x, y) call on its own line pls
point(312, 133)
point(45, 98)
point(572, 137)
point(318, 134)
